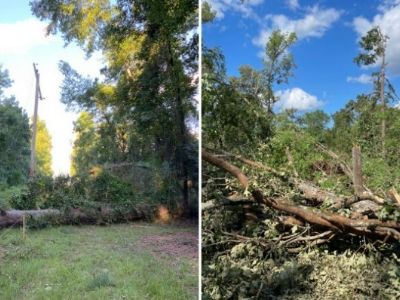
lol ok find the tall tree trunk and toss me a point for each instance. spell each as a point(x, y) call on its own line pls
point(357, 173)
point(382, 96)
point(182, 140)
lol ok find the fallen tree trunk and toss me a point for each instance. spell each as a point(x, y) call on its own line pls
point(14, 217)
point(102, 215)
point(337, 223)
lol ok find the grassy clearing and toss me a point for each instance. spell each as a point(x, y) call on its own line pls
point(92, 262)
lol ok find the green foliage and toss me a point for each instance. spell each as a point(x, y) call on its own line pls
point(14, 152)
point(315, 123)
point(227, 110)
point(279, 64)
point(43, 149)
point(108, 188)
point(143, 108)
point(5, 81)
point(207, 13)
point(64, 192)
point(373, 43)
point(84, 154)
point(238, 111)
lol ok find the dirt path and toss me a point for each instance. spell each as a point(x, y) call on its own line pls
point(174, 244)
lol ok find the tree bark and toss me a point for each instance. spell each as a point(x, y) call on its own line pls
point(382, 94)
point(14, 217)
point(357, 173)
point(372, 228)
point(72, 216)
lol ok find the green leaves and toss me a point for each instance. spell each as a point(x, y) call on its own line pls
point(43, 149)
point(14, 143)
point(373, 42)
point(238, 111)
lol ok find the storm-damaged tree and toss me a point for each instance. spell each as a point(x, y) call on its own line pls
point(373, 47)
point(238, 111)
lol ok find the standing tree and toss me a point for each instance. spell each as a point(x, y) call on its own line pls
point(14, 138)
point(151, 52)
point(238, 111)
point(373, 43)
point(278, 65)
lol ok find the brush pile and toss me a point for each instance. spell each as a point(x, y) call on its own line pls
point(268, 233)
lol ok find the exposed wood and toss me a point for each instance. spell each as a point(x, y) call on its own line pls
point(334, 222)
point(357, 173)
point(309, 190)
point(394, 195)
point(38, 95)
point(15, 217)
point(222, 164)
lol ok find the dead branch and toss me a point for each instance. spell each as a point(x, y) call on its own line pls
point(392, 193)
point(222, 164)
point(336, 223)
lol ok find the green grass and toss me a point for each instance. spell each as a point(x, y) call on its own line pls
point(92, 262)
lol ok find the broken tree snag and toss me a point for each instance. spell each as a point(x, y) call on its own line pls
point(357, 173)
point(222, 164)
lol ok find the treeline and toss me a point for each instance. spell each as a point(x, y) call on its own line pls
point(136, 130)
point(15, 141)
point(141, 112)
point(239, 114)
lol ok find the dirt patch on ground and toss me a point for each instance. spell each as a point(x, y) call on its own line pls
point(174, 244)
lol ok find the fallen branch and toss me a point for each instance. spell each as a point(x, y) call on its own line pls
point(394, 195)
point(336, 223)
point(222, 164)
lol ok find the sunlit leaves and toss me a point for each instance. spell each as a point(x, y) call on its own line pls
point(43, 150)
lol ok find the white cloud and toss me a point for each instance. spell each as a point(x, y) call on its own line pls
point(19, 37)
point(363, 78)
point(387, 4)
point(315, 23)
point(296, 98)
point(389, 21)
point(51, 110)
point(47, 53)
point(246, 7)
point(293, 4)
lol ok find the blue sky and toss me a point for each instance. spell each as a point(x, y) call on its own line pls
point(328, 34)
point(23, 41)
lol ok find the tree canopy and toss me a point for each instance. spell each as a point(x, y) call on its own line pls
point(143, 107)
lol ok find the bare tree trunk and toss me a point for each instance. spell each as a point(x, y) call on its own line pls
point(357, 173)
point(382, 96)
